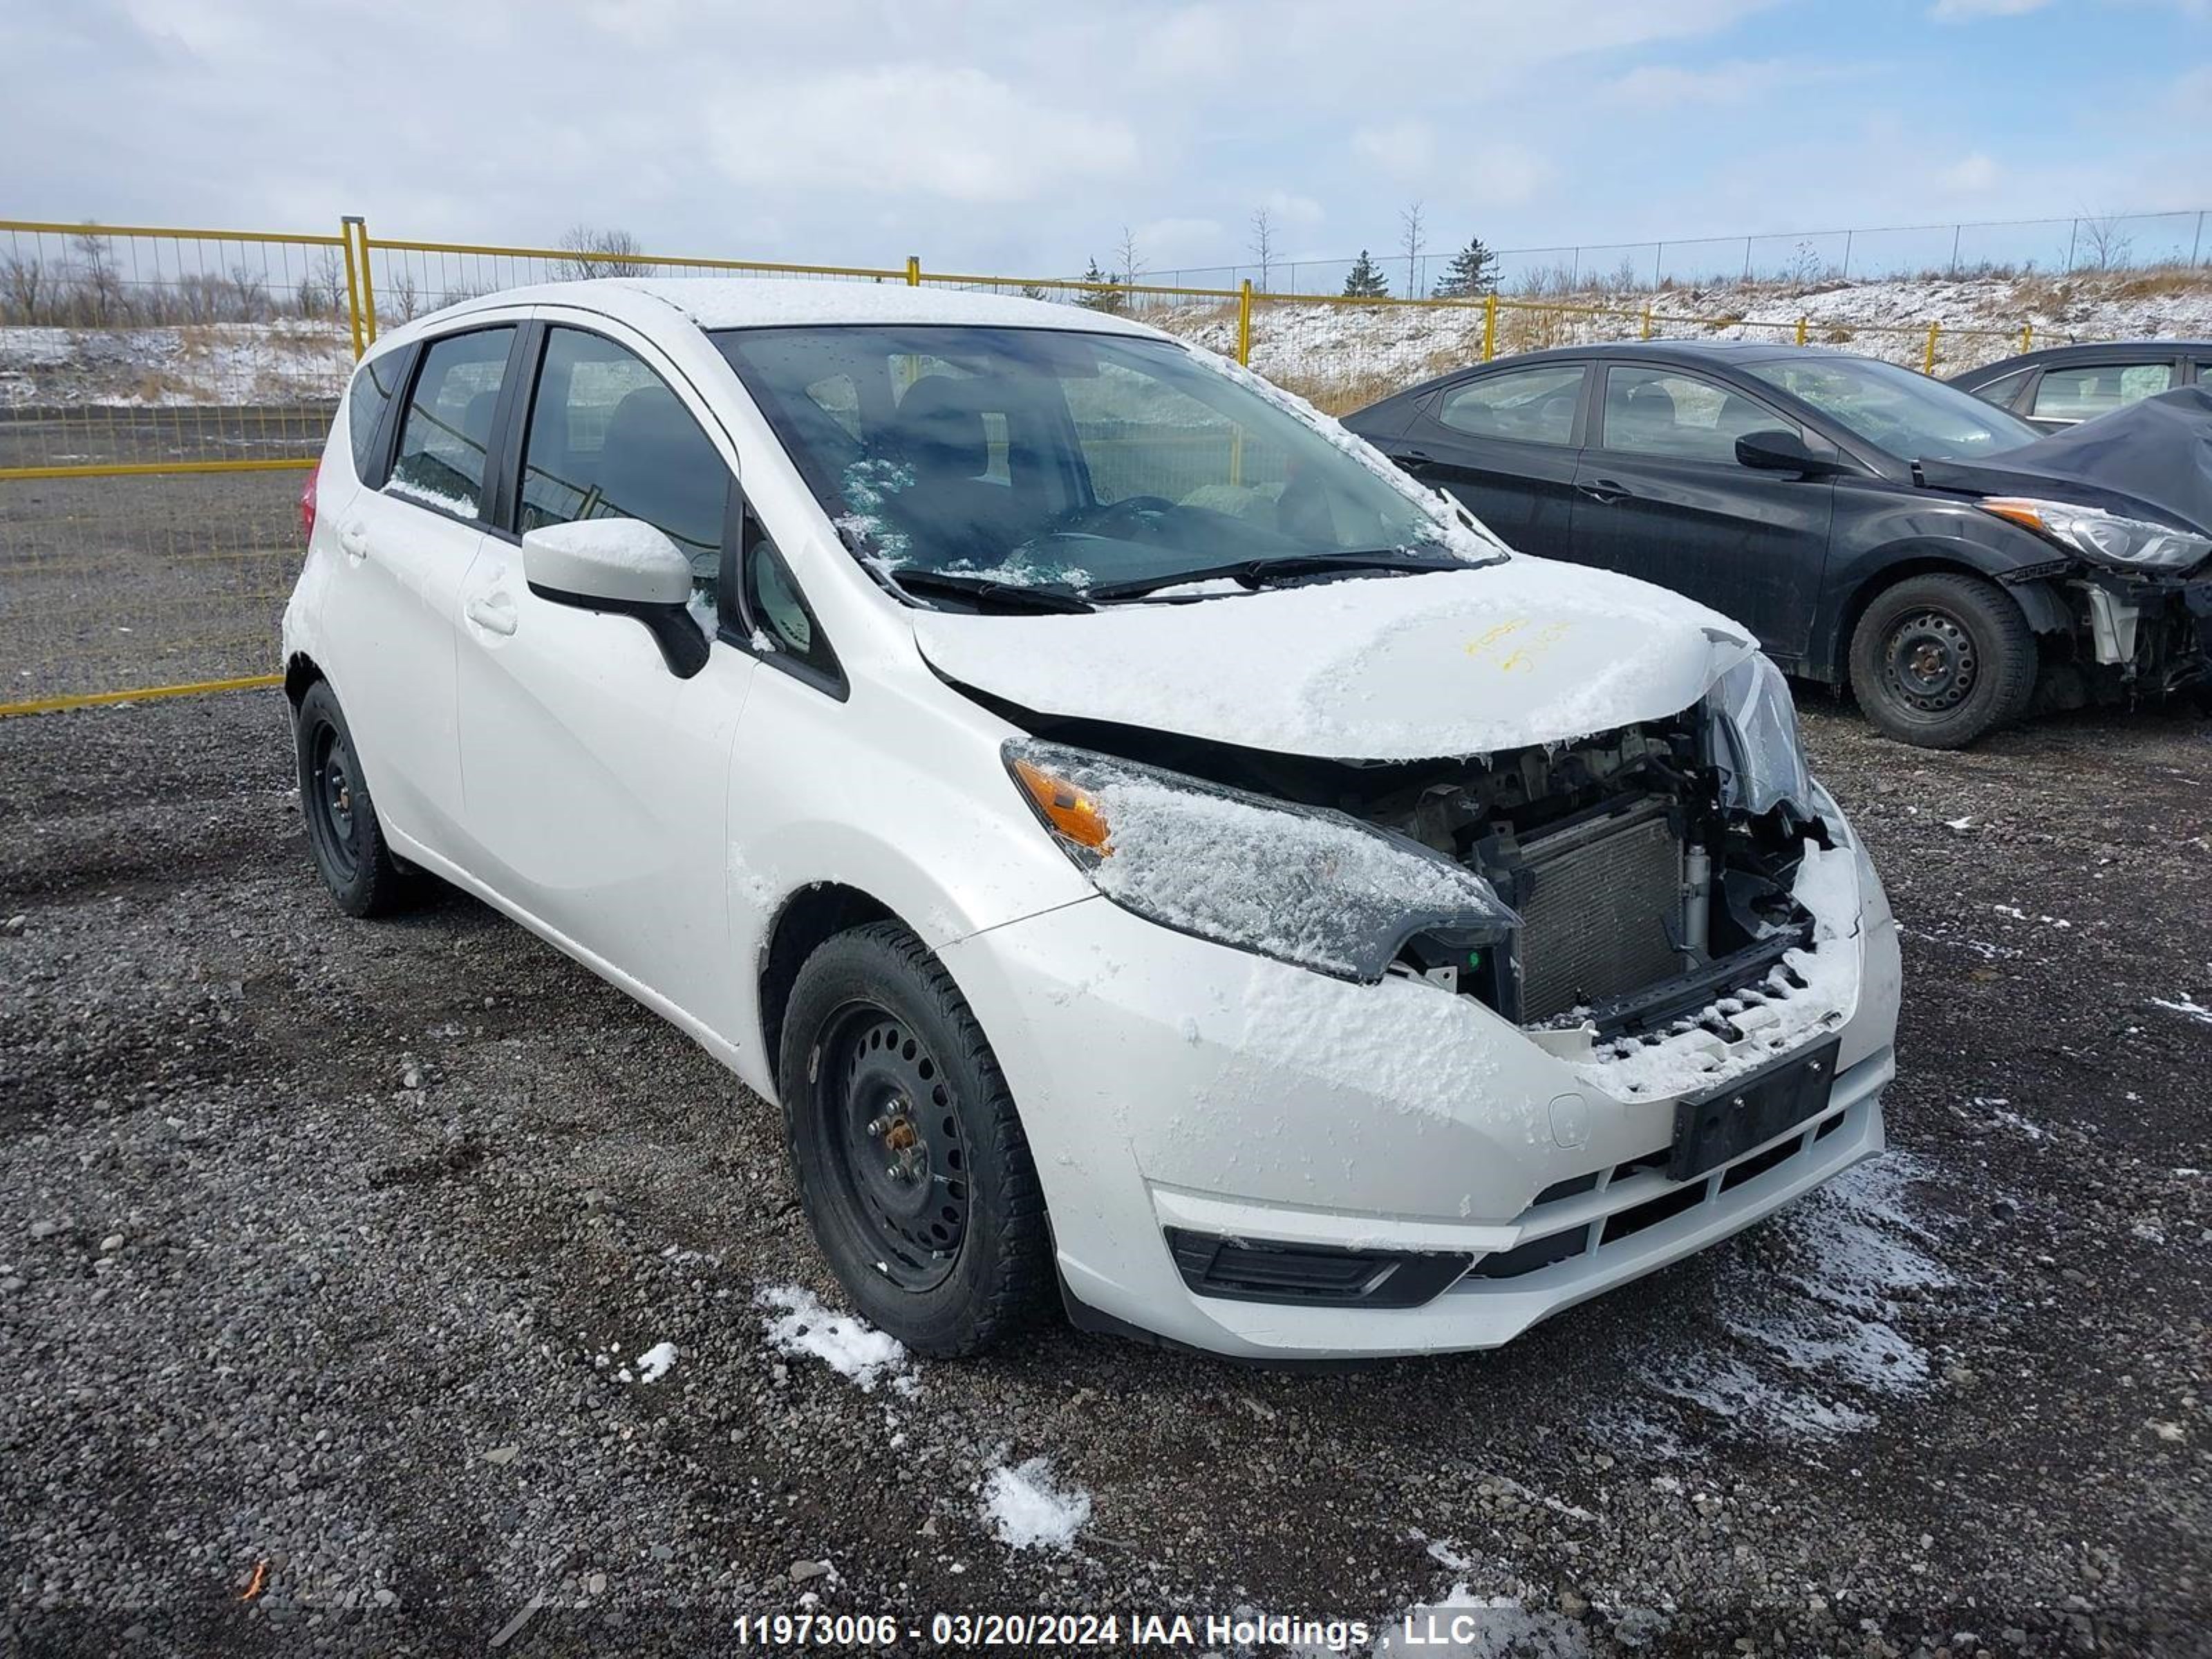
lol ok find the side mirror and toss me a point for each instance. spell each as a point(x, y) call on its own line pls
point(623, 567)
point(1783, 451)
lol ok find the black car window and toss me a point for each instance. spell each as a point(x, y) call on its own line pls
point(2082, 392)
point(1535, 405)
point(375, 385)
point(1665, 411)
point(2003, 391)
point(609, 440)
point(441, 447)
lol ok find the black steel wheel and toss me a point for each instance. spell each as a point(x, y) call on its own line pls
point(343, 835)
point(1939, 659)
point(909, 1157)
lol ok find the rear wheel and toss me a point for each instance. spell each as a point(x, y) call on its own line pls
point(343, 835)
point(911, 1162)
point(1937, 661)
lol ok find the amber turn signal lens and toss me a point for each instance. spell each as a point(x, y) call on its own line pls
point(2020, 512)
point(1072, 811)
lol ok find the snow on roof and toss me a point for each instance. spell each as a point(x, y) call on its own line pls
point(761, 301)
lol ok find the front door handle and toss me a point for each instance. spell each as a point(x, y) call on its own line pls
point(494, 613)
point(1412, 459)
point(1603, 489)
point(354, 539)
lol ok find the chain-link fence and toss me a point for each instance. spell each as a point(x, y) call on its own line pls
point(163, 393)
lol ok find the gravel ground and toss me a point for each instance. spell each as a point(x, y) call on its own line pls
point(330, 1253)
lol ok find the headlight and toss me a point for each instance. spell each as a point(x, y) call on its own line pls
point(1299, 884)
point(1753, 727)
point(2096, 534)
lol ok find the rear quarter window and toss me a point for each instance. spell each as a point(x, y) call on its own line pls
point(374, 383)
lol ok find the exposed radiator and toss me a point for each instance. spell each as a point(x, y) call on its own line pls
point(1602, 898)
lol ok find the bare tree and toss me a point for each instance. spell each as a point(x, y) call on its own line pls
point(402, 296)
point(1125, 257)
point(2107, 242)
point(599, 253)
point(1414, 239)
point(1263, 243)
point(22, 284)
point(99, 285)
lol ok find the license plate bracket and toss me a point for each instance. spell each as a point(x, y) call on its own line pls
point(1727, 1123)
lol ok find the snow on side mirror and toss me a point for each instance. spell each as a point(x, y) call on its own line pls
point(623, 567)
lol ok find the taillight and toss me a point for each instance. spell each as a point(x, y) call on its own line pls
point(307, 505)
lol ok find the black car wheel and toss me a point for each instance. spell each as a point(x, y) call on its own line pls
point(1937, 661)
point(910, 1160)
point(343, 835)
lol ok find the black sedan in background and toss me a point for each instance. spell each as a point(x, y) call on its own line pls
point(1874, 528)
point(2063, 385)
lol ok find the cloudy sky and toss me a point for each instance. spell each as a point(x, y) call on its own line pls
point(1022, 136)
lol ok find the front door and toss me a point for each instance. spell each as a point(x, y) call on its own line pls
point(597, 779)
point(1660, 495)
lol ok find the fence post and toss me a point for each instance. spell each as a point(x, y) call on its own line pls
point(1846, 270)
point(2198, 246)
point(1927, 362)
point(2027, 338)
point(914, 270)
point(367, 282)
point(1244, 323)
point(1490, 326)
point(353, 286)
point(1801, 331)
point(1647, 321)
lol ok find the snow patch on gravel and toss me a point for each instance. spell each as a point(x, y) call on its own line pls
point(1029, 1507)
point(853, 1348)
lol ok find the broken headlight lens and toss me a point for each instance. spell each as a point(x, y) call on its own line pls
point(1752, 723)
point(2132, 544)
point(1299, 884)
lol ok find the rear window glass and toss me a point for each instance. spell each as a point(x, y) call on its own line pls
point(441, 459)
point(375, 385)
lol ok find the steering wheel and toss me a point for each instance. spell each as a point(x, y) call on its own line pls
point(1117, 519)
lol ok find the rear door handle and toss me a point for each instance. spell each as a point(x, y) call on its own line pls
point(1603, 489)
point(494, 613)
point(354, 539)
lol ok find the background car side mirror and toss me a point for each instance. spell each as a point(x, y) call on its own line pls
point(1781, 450)
point(624, 566)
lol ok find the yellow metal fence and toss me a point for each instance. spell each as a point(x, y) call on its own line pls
point(163, 392)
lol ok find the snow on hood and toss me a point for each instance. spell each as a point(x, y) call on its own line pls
point(1373, 668)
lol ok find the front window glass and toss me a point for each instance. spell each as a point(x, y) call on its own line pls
point(1662, 411)
point(1033, 456)
point(2095, 389)
point(441, 447)
point(609, 440)
point(1896, 410)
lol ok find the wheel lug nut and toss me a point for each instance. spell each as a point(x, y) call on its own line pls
point(876, 1126)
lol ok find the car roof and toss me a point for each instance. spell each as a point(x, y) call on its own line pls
point(720, 302)
point(1685, 354)
point(2082, 348)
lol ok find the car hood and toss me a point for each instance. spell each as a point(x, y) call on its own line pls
point(2152, 459)
point(1377, 668)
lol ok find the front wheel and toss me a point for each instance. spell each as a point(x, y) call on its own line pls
point(1939, 659)
point(909, 1158)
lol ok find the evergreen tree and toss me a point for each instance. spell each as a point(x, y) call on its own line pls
point(1365, 281)
point(1474, 270)
point(1108, 298)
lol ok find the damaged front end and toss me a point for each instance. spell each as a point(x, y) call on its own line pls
point(1604, 894)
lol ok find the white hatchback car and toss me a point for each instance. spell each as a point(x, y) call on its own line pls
point(1154, 852)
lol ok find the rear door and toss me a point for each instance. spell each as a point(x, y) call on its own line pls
point(391, 618)
point(1660, 495)
point(596, 779)
point(1503, 441)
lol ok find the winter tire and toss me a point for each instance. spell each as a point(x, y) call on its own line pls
point(344, 835)
point(1937, 661)
point(909, 1158)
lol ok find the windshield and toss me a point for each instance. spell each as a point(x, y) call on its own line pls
point(1907, 413)
point(1036, 457)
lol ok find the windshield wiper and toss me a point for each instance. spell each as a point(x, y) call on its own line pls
point(1263, 572)
point(988, 591)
